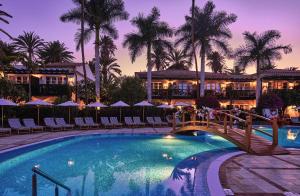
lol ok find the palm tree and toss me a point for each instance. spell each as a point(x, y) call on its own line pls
point(110, 70)
point(100, 16)
point(82, 51)
point(151, 33)
point(29, 44)
point(4, 14)
point(216, 62)
point(211, 30)
point(262, 50)
point(54, 52)
point(236, 70)
point(107, 47)
point(8, 54)
point(179, 60)
point(292, 68)
point(159, 58)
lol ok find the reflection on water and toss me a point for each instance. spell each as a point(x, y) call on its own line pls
point(119, 165)
point(292, 135)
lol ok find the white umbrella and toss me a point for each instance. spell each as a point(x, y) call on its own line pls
point(38, 103)
point(120, 104)
point(165, 106)
point(182, 104)
point(96, 105)
point(69, 104)
point(143, 104)
point(5, 102)
point(298, 108)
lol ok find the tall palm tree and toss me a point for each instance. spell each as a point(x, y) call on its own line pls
point(82, 51)
point(107, 47)
point(8, 54)
point(100, 16)
point(262, 50)
point(54, 52)
point(151, 33)
point(29, 44)
point(159, 58)
point(292, 68)
point(236, 70)
point(211, 30)
point(4, 14)
point(179, 60)
point(216, 62)
point(110, 70)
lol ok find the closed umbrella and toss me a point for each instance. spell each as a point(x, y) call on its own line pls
point(38, 103)
point(5, 102)
point(120, 104)
point(69, 104)
point(143, 104)
point(96, 105)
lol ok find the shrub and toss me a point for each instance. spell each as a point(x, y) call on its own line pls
point(208, 101)
point(270, 100)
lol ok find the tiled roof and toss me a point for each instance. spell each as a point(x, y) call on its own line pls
point(63, 65)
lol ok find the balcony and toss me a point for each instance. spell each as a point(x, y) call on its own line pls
point(48, 89)
point(192, 94)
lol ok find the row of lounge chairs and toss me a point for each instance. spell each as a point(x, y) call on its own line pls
point(57, 124)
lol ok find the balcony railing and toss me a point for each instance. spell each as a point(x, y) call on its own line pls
point(48, 89)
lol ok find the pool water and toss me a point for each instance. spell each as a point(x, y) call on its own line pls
point(115, 165)
point(288, 136)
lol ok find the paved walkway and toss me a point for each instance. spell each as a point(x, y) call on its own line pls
point(19, 140)
point(262, 175)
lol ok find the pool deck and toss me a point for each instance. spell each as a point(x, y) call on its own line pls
point(244, 174)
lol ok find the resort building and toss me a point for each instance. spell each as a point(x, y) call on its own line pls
point(51, 80)
point(171, 86)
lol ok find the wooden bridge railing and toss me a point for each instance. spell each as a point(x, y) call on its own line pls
point(226, 120)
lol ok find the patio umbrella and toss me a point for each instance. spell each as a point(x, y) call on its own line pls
point(120, 104)
point(143, 104)
point(5, 102)
point(298, 108)
point(96, 105)
point(69, 104)
point(165, 106)
point(38, 103)
point(183, 104)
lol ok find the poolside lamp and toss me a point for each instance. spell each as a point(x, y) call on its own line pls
point(38, 103)
point(69, 104)
point(143, 104)
point(96, 105)
point(5, 102)
point(120, 104)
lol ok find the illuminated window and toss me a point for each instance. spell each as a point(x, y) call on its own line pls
point(60, 80)
point(19, 80)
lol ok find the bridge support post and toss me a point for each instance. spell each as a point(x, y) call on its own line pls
point(275, 131)
point(230, 119)
point(248, 133)
point(225, 124)
point(183, 119)
point(34, 184)
point(174, 122)
point(207, 120)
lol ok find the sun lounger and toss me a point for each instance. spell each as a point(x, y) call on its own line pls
point(5, 131)
point(50, 123)
point(80, 123)
point(129, 122)
point(137, 121)
point(295, 120)
point(106, 123)
point(115, 121)
point(90, 122)
point(29, 122)
point(16, 125)
point(61, 122)
point(151, 121)
point(170, 121)
point(159, 121)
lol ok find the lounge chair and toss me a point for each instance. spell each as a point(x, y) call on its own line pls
point(129, 122)
point(90, 122)
point(50, 123)
point(115, 121)
point(151, 121)
point(106, 123)
point(29, 122)
point(16, 125)
point(137, 121)
point(158, 120)
point(80, 123)
point(61, 122)
point(295, 120)
point(170, 121)
point(5, 131)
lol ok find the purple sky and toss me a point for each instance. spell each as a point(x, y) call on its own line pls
point(42, 16)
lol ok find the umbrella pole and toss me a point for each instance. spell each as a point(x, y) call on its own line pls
point(96, 115)
point(38, 111)
point(143, 113)
point(2, 116)
point(120, 114)
point(69, 115)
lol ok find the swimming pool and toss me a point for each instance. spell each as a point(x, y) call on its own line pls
point(288, 136)
point(115, 165)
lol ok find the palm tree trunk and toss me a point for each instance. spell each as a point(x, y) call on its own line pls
point(82, 52)
point(202, 73)
point(30, 66)
point(149, 73)
point(97, 64)
point(193, 45)
point(258, 82)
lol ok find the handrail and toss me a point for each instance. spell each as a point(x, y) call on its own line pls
point(256, 115)
point(36, 170)
point(230, 115)
point(264, 132)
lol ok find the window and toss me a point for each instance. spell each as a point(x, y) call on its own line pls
point(60, 80)
point(47, 80)
point(25, 80)
point(53, 80)
point(19, 80)
point(157, 85)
